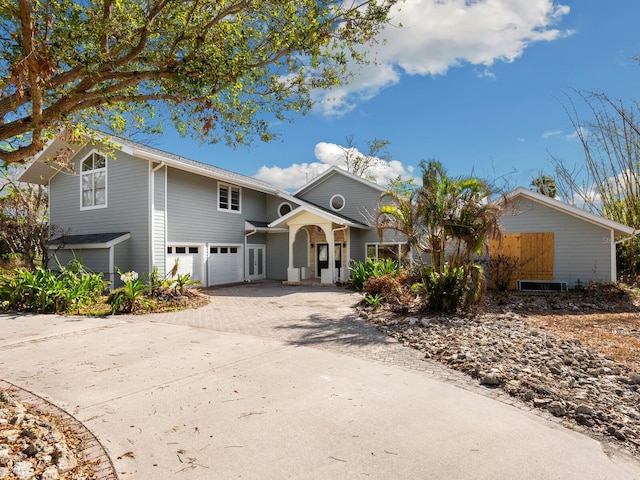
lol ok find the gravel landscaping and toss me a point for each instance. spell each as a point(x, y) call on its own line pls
point(540, 362)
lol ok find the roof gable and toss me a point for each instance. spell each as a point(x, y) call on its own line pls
point(327, 174)
point(618, 228)
point(40, 170)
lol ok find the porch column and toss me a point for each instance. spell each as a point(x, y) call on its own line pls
point(328, 235)
point(347, 258)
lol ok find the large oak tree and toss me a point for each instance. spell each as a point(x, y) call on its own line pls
point(222, 68)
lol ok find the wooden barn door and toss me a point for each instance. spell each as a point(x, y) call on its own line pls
point(533, 250)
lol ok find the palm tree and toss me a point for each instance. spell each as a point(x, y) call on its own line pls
point(446, 216)
point(443, 210)
point(545, 185)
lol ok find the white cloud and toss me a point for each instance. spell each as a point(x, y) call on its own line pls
point(551, 133)
point(580, 132)
point(433, 36)
point(293, 176)
point(328, 155)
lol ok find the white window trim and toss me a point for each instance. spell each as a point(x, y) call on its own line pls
point(229, 188)
point(344, 203)
point(106, 180)
point(401, 248)
point(282, 205)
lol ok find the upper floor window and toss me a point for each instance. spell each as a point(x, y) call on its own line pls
point(93, 181)
point(283, 209)
point(337, 202)
point(229, 198)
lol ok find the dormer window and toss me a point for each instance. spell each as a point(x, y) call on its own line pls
point(93, 181)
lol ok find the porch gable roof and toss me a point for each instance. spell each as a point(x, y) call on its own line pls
point(322, 214)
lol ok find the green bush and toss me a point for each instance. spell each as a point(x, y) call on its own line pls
point(362, 271)
point(131, 296)
point(46, 291)
point(451, 289)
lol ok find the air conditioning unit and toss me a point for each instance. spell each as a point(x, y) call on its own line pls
point(541, 286)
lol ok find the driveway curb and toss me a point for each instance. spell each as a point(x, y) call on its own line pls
point(92, 450)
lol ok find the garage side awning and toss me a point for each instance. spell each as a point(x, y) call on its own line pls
point(88, 241)
point(92, 241)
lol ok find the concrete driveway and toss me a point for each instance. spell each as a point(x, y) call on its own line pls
point(276, 382)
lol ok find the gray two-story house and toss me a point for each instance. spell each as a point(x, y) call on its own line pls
point(132, 207)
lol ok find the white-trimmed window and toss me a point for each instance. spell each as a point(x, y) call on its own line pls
point(284, 208)
point(229, 198)
point(337, 202)
point(93, 181)
point(391, 251)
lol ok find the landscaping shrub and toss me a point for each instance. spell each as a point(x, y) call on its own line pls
point(131, 296)
point(46, 291)
point(604, 291)
point(144, 294)
point(362, 271)
point(502, 270)
point(453, 288)
point(390, 289)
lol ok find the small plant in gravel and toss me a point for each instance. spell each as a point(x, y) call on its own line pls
point(374, 301)
point(181, 282)
point(131, 296)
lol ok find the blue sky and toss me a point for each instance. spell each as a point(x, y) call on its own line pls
point(480, 85)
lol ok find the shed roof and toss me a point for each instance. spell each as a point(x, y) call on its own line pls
point(618, 228)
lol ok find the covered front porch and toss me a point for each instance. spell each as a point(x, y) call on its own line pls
point(319, 246)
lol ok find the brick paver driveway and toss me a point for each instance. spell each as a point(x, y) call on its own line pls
point(314, 316)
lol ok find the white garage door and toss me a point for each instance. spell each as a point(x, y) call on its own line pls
point(225, 264)
point(189, 260)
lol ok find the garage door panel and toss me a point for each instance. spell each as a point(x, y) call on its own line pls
point(189, 260)
point(225, 264)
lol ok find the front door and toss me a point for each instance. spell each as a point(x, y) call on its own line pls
point(256, 262)
point(323, 256)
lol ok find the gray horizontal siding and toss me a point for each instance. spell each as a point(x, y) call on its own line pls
point(361, 200)
point(159, 220)
point(192, 211)
point(582, 250)
point(272, 205)
point(127, 207)
point(277, 256)
point(301, 249)
point(94, 260)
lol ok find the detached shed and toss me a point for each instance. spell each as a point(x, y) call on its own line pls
point(556, 242)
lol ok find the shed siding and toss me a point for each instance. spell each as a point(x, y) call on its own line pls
point(360, 200)
point(94, 260)
point(582, 249)
point(127, 207)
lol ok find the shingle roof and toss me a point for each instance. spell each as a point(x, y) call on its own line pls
point(99, 239)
